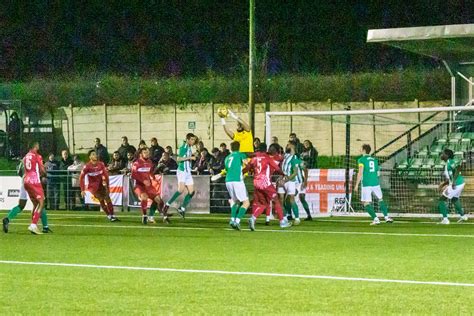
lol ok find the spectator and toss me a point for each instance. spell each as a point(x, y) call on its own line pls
point(141, 145)
point(275, 142)
point(15, 128)
point(156, 151)
point(75, 169)
point(309, 155)
point(125, 148)
point(65, 180)
point(199, 148)
point(256, 143)
point(130, 160)
point(116, 165)
point(224, 151)
point(299, 146)
point(101, 151)
point(166, 164)
point(216, 163)
point(169, 150)
point(201, 166)
point(52, 182)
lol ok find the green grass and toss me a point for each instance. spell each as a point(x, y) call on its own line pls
point(330, 247)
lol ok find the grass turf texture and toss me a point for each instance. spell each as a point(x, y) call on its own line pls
point(205, 243)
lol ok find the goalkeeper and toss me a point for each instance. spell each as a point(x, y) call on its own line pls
point(243, 134)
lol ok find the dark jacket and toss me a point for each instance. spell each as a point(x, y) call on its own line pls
point(155, 153)
point(123, 150)
point(310, 157)
point(164, 167)
point(102, 153)
point(115, 167)
point(202, 165)
point(52, 174)
point(216, 165)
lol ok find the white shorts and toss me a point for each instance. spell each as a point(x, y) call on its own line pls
point(289, 188)
point(23, 193)
point(237, 191)
point(366, 194)
point(298, 188)
point(184, 177)
point(451, 193)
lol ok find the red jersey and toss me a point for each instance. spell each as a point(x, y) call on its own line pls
point(142, 170)
point(33, 164)
point(263, 165)
point(96, 174)
point(278, 158)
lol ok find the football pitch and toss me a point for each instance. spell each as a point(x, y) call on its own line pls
point(201, 266)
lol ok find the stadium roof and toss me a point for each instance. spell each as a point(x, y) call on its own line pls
point(452, 43)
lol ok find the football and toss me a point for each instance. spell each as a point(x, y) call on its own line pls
point(222, 112)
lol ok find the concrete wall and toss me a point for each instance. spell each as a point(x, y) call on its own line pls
point(169, 123)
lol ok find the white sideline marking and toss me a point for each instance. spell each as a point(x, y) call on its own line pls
point(284, 231)
point(261, 274)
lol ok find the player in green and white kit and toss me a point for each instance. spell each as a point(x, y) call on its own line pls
point(291, 167)
point(369, 176)
point(23, 199)
point(234, 182)
point(451, 188)
point(185, 179)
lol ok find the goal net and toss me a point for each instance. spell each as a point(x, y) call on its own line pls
point(407, 143)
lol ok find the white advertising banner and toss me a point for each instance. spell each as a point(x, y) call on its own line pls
point(10, 193)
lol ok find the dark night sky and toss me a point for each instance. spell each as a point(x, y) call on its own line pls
point(187, 38)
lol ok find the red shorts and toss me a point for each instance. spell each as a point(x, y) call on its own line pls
point(264, 196)
point(99, 192)
point(150, 191)
point(35, 191)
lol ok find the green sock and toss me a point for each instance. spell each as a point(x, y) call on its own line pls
point(305, 206)
point(295, 209)
point(443, 209)
point(233, 210)
point(384, 208)
point(14, 212)
point(173, 198)
point(287, 206)
point(242, 212)
point(152, 210)
point(44, 217)
point(369, 208)
point(458, 207)
point(187, 199)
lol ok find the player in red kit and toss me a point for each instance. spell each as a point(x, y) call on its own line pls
point(264, 191)
point(142, 173)
point(274, 150)
point(97, 184)
point(33, 163)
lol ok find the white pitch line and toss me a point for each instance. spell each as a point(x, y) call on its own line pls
point(284, 231)
point(223, 272)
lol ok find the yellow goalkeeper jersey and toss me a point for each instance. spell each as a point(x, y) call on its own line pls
point(246, 141)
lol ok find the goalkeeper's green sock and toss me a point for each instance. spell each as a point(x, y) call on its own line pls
point(14, 212)
point(305, 206)
point(173, 198)
point(295, 209)
point(152, 210)
point(233, 211)
point(187, 199)
point(443, 208)
point(369, 208)
point(384, 208)
point(458, 206)
point(44, 217)
point(242, 211)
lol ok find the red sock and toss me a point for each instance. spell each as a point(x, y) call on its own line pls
point(268, 211)
point(36, 216)
point(278, 209)
point(144, 206)
point(104, 207)
point(110, 207)
point(258, 210)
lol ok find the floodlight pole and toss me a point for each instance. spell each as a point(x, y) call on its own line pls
point(251, 64)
